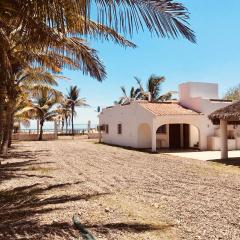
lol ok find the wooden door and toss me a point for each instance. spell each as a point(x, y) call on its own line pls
point(174, 136)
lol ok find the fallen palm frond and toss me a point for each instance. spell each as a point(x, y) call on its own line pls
point(86, 235)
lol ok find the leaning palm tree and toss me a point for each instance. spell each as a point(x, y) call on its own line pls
point(74, 101)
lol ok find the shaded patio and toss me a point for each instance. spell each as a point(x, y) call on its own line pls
point(229, 115)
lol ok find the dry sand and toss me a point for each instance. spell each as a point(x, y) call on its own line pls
point(119, 194)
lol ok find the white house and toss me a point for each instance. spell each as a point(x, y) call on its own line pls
point(176, 124)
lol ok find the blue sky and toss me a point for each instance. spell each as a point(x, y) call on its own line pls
point(215, 57)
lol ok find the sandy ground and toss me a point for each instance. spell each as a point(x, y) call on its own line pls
point(119, 194)
point(205, 155)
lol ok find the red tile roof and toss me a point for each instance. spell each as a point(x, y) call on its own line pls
point(162, 109)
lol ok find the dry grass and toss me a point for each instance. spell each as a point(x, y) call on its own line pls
point(42, 170)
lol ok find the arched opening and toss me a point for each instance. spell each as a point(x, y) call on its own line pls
point(177, 135)
point(144, 136)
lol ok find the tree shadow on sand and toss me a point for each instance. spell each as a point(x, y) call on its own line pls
point(228, 162)
point(23, 163)
point(21, 207)
point(10, 170)
point(23, 154)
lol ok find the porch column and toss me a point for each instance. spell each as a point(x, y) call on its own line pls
point(154, 140)
point(181, 136)
point(224, 139)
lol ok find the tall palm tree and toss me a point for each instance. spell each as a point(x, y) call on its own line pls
point(75, 101)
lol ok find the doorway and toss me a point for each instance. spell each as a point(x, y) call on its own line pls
point(174, 136)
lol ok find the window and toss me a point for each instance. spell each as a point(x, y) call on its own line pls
point(119, 128)
point(106, 129)
point(162, 129)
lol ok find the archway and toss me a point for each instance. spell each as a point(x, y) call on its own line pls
point(177, 135)
point(144, 136)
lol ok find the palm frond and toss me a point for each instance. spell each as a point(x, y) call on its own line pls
point(165, 18)
point(124, 91)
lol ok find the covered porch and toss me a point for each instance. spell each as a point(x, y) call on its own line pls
point(229, 115)
point(172, 126)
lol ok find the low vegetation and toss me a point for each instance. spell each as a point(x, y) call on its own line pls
point(233, 93)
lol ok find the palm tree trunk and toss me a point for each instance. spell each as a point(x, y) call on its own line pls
point(72, 123)
point(11, 131)
point(2, 108)
point(6, 131)
point(4, 74)
point(41, 130)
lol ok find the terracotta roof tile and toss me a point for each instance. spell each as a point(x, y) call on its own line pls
point(162, 109)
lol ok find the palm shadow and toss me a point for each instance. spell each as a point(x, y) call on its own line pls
point(21, 207)
point(228, 162)
point(10, 170)
point(23, 154)
point(23, 163)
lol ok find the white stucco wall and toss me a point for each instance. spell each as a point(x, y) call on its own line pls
point(130, 116)
point(144, 136)
point(201, 97)
point(194, 136)
point(198, 89)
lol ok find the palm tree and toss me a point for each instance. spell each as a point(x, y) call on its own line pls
point(74, 101)
point(44, 99)
point(134, 94)
point(18, 118)
point(25, 80)
point(64, 112)
point(153, 89)
point(152, 92)
point(77, 55)
point(65, 51)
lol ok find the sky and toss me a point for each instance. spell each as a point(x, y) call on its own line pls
point(215, 58)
